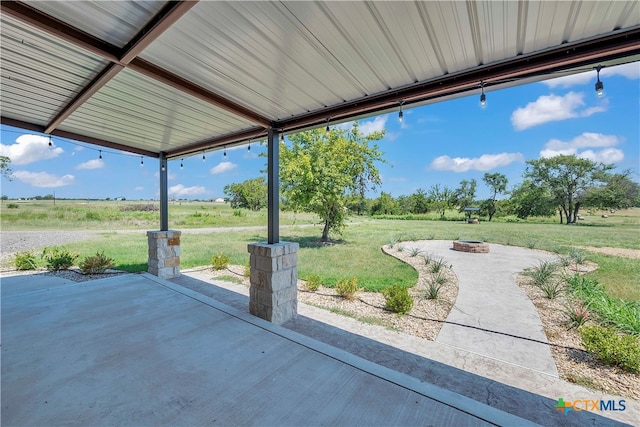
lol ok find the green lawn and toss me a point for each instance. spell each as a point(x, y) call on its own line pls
point(356, 253)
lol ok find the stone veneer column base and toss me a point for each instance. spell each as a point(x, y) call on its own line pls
point(273, 294)
point(164, 253)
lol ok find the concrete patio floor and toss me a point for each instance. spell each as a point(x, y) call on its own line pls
point(138, 350)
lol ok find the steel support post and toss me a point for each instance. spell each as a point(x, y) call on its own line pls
point(273, 187)
point(164, 193)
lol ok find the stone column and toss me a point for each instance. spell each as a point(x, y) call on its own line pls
point(273, 294)
point(164, 253)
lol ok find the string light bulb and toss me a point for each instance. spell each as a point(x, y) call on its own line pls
point(599, 84)
point(483, 97)
point(203, 158)
point(282, 137)
point(163, 167)
point(100, 157)
point(224, 153)
point(249, 148)
point(50, 142)
point(327, 130)
point(141, 161)
point(400, 114)
point(181, 165)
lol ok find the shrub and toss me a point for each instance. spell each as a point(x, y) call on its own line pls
point(97, 264)
point(58, 258)
point(577, 315)
point(413, 252)
point(220, 261)
point(436, 283)
point(623, 315)
point(437, 264)
point(611, 348)
point(552, 288)
point(149, 207)
point(12, 205)
point(313, 282)
point(25, 261)
point(239, 213)
point(578, 256)
point(397, 299)
point(347, 288)
point(542, 273)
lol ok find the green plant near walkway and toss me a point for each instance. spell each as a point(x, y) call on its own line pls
point(97, 264)
point(414, 252)
point(612, 348)
point(622, 315)
point(220, 261)
point(577, 256)
point(397, 299)
point(437, 264)
point(313, 282)
point(25, 261)
point(552, 287)
point(577, 315)
point(542, 273)
point(58, 258)
point(435, 285)
point(347, 288)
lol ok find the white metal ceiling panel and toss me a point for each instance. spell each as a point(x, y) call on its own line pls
point(113, 21)
point(40, 74)
point(142, 113)
point(251, 51)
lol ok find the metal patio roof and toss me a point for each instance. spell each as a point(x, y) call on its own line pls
point(183, 77)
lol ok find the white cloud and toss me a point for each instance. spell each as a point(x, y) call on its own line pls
point(139, 188)
point(483, 163)
point(44, 179)
point(182, 191)
point(630, 71)
point(91, 164)
point(549, 108)
point(608, 154)
point(30, 148)
point(375, 125)
point(222, 167)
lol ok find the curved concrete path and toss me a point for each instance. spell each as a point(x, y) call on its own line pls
point(504, 324)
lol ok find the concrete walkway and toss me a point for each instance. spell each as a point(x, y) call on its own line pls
point(504, 324)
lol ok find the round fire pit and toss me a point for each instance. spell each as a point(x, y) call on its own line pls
point(472, 246)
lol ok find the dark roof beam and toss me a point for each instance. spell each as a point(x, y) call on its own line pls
point(76, 136)
point(617, 45)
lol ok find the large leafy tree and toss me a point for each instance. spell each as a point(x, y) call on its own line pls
point(566, 178)
point(384, 205)
point(5, 168)
point(441, 198)
point(250, 194)
point(618, 192)
point(319, 169)
point(529, 199)
point(497, 182)
point(465, 195)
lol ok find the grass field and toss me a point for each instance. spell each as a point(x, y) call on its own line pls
point(356, 253)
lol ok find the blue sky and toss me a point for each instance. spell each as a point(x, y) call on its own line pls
point(442, 143)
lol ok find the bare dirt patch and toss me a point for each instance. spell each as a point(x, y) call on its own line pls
point(626, 253)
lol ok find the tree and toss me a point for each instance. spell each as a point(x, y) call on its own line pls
point(529, 199)
point(618, 192)
point(250, 194)
point(5, 168)
point(465, 195)
point(442, 198)
point(384, 205)
point(566, 177)
point(420, 202)
point(498, 184)
point(320, 169)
